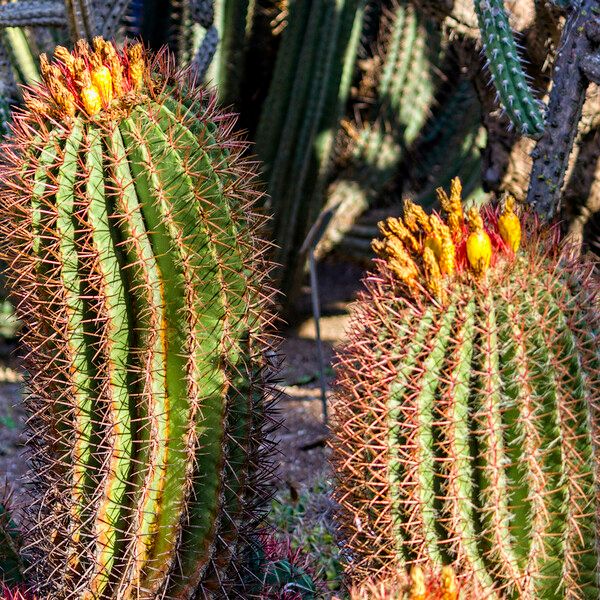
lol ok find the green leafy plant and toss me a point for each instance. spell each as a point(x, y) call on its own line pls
point(130, 232)
point(467, 423)
point(309, 521)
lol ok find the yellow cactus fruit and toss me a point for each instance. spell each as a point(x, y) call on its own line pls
point(415, 218)
point(396, 227)
point(433, 242)
point(110, 58)
point(392, 250)
point(449, 584)
point(136, 65)
point(101, 79)
point(418, 588)
point(479, 245)
point(452, 205)
point(89, 94)
point(91, 99)
point(509, 225)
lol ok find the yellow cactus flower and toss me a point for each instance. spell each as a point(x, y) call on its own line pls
point(447, 258)
point(56, 85)
point(433, 275)
point(393, 251)
point(418, 589)
point(449, 584)
point(136, 65)
point(396, 227)
point(509, 225)
point(66, 58)
point(416, 218)
point(440, 241)
point(452, 205)
point(479, 245)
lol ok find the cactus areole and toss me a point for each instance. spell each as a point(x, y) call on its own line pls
point(129, 227)
point(467, 426)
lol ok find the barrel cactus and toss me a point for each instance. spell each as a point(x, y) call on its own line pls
point(467, 429)
point(138, 271)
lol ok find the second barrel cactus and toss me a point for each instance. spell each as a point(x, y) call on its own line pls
point(129, 227)
point(468, 431)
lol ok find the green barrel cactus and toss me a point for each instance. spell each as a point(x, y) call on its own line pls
point(467, 429)
point(133, 248)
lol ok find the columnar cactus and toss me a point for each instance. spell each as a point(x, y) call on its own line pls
point(508, 75)
point(467, 425)
point(128, 226)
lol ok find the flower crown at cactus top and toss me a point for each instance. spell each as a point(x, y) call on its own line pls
point(423, 248)
point(418, 586)
point(90, 80)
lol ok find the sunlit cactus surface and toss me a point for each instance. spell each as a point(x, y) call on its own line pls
point(129, 228)
point(467, 427)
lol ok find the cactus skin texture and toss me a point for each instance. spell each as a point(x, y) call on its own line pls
point(505, 66)
point(467, 427)
point(136, 263)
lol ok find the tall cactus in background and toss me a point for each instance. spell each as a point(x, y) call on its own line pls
point(468, 407)
point(300, 119)
point(409, 43)
point(129, 228)
point(505, 66)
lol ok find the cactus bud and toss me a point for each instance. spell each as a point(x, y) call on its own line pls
point(509, 225)
point(479, 245)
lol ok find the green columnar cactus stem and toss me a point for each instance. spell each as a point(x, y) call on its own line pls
point(412, 44)
point(234, 19)
point(134, 257)
point(467, 426)
point(301, 116)
point(505, 65)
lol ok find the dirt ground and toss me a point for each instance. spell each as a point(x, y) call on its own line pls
point(302, 437)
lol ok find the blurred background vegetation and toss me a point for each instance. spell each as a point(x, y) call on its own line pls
point(352, 104)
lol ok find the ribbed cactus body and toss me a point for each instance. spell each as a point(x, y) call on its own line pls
point(508, 76)
point(132, 241)
point(467, 426)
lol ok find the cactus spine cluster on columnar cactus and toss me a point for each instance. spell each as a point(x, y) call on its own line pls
point(505, 66)
point(131, 237)
point(467, 425)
